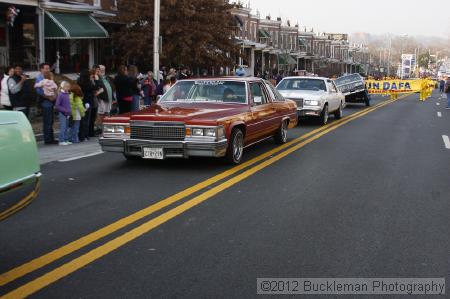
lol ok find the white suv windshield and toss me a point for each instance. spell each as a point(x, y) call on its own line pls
point(302, 84)
point(207, 91)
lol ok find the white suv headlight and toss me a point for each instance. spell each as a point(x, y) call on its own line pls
point(312, 103)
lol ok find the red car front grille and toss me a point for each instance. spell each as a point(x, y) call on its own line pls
point(158, 132)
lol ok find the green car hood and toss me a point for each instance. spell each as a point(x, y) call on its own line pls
point(18, 150)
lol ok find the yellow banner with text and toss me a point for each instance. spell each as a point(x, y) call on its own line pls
point(394, 86)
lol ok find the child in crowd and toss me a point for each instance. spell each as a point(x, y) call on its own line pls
point(64, 112)
point(149, 88)
point(48, 85)
point(167, 85)
point(78, 111)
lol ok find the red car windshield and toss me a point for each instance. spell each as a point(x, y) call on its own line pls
point(207, 91)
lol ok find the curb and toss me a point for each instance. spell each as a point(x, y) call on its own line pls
point(40, 137)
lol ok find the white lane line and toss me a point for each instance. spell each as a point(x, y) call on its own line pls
point(439, 114)
point(81, 157)
point(438, 104)
point(446, 141)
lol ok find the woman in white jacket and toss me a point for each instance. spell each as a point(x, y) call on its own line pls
point(4, 93)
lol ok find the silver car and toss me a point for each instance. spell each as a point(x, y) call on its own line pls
point(315, 96)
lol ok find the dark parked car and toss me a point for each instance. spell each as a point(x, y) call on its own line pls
point(353, 88)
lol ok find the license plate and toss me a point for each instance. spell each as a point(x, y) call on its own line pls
point(153, 153)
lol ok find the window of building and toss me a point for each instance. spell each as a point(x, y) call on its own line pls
point(29, 36)
point(18, 42)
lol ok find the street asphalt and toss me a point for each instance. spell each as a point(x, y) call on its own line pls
point(370, 197)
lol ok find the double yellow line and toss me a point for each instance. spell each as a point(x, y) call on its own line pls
point(266, 159)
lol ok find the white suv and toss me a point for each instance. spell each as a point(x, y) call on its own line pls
point(315, 96)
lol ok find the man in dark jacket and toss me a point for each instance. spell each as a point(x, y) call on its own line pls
point(183, 75)
point(124, 90)
point(88, 88)
point(20, 101)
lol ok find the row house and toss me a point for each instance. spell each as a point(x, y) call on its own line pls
point(270, 32)
point(306, 56)
point(360, 59)
point(329, 54)
point(247, 36)
point(267, 45)
point(70, 35)
point(330, 58)
point(271, 45)
point(289, 48)
point(320, 54)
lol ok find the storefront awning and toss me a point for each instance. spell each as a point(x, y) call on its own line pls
point(287, 60)
point(62, 25)
point(263, 33)
point(239, 21)
point(21, 2)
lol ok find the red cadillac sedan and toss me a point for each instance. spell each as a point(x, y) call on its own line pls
point(203, 117)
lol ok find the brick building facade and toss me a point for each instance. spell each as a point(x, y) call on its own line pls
point(72, 35)
point(273, 45)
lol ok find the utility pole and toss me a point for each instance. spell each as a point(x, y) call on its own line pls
point(417, 61)
point(389, 57)
point(156, 44)
point(380, 59)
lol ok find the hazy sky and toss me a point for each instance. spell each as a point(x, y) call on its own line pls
point(348, 16)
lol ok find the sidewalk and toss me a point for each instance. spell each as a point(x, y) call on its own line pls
point(36, 124)
point(52, 153)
